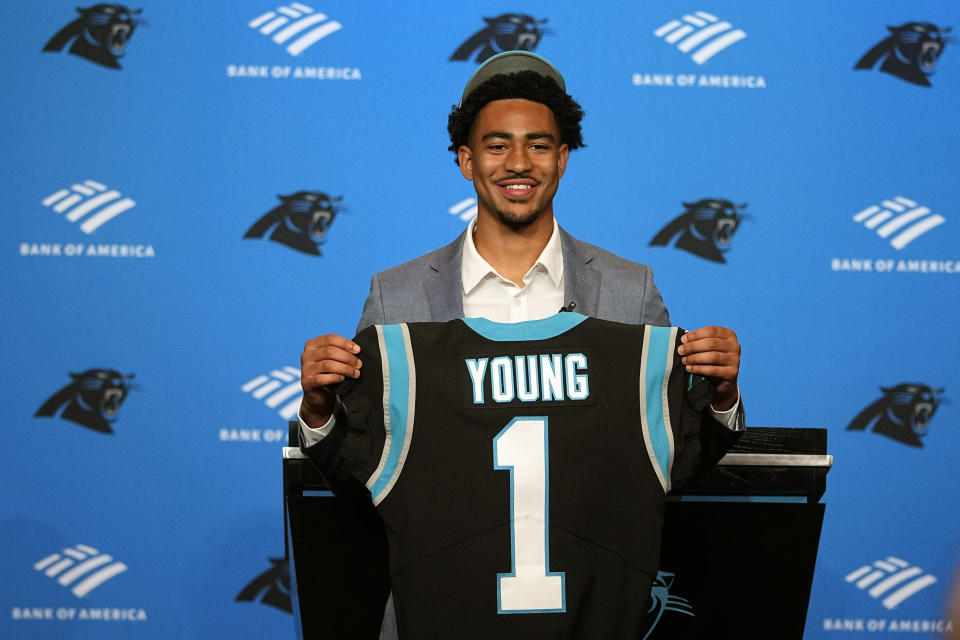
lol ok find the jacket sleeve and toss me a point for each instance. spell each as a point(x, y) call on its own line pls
point(652, 309)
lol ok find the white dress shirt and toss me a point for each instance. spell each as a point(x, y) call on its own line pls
point(487, 294)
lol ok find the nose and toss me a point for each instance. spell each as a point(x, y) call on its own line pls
point(518, 160)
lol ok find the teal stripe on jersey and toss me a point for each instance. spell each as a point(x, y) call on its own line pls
point(397, 385)
point(529, 330)
point(659, 352)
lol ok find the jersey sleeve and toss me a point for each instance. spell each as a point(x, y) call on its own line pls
point(700, 439)
point(362, 400)
point(380, 406)
point(672, 404)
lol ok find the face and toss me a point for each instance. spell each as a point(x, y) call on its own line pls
point(515, 161)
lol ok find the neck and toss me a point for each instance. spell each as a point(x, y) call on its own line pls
point(512, 251)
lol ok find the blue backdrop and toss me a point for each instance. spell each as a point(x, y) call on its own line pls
point(147, 141)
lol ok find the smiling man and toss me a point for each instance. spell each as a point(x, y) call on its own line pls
point(515, 160)
point(512, 134)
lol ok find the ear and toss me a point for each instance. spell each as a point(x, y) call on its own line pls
point(563, 154)
point(465, 160)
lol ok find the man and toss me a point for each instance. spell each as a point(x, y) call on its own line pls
point(512, 133)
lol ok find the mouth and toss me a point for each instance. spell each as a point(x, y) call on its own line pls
point(111, 402)
point(724, 231)
point(928, 54)
point(320, 224)
point(119, 36)
point(517, 190)
point(526, 41)
point(921, 417)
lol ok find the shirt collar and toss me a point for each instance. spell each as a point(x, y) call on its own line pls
point(474, 268)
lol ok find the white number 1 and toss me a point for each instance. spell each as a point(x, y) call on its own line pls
point(521, 448)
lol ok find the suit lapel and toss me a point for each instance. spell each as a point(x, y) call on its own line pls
point(581, 281)
point(443, 287)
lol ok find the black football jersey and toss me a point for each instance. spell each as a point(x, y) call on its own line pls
point(520, 469)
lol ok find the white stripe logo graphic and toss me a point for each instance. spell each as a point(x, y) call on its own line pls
point(701, 33)
point(92, 198)
point(277, 389)
point(893, 579)
point(465, 209)
point(901, 218)
point(81, 566)
point(296, 21)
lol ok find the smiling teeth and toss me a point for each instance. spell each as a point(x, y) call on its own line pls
point(518, 187)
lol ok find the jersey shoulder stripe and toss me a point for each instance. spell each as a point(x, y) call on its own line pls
point(399, 406)
point(656, 366)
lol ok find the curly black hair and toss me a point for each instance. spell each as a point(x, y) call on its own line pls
point(527, 85)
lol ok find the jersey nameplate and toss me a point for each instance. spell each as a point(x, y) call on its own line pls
point(527, 379)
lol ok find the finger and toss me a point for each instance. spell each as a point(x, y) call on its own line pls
point(722, 345)
point(721, 358)
point(325, 367)
point(706, 332)
point(321, 384)
point(331, 353)
point(728, 374)
point(333, 340)
point(713, 364)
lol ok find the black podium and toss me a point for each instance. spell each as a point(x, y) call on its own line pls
point(739, 546)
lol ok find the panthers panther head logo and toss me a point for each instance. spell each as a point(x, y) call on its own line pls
point(100, 34)
point(910, 52)
point(506, 32)
point(662, 600)
point(301, 221)
point(91, 400)
point(272, 587)
point(902, 413)
point(705, 228)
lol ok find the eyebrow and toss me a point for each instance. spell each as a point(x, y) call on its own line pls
point(506, 135)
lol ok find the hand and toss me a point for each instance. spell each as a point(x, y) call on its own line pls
point(714, 352)
point(325, 361)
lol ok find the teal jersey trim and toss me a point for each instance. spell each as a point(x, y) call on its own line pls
point(659, 353)
point(398, 384)
point(529, 330)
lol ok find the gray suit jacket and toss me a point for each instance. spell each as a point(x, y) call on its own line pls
point(602, 284)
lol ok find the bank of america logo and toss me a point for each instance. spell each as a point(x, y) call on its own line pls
point(90, 202)
point(81, 568)
point(465, 209)
point(295, 19)
point(703, 34)
point(892, 579)
point(281, 388)
point(901, 218)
